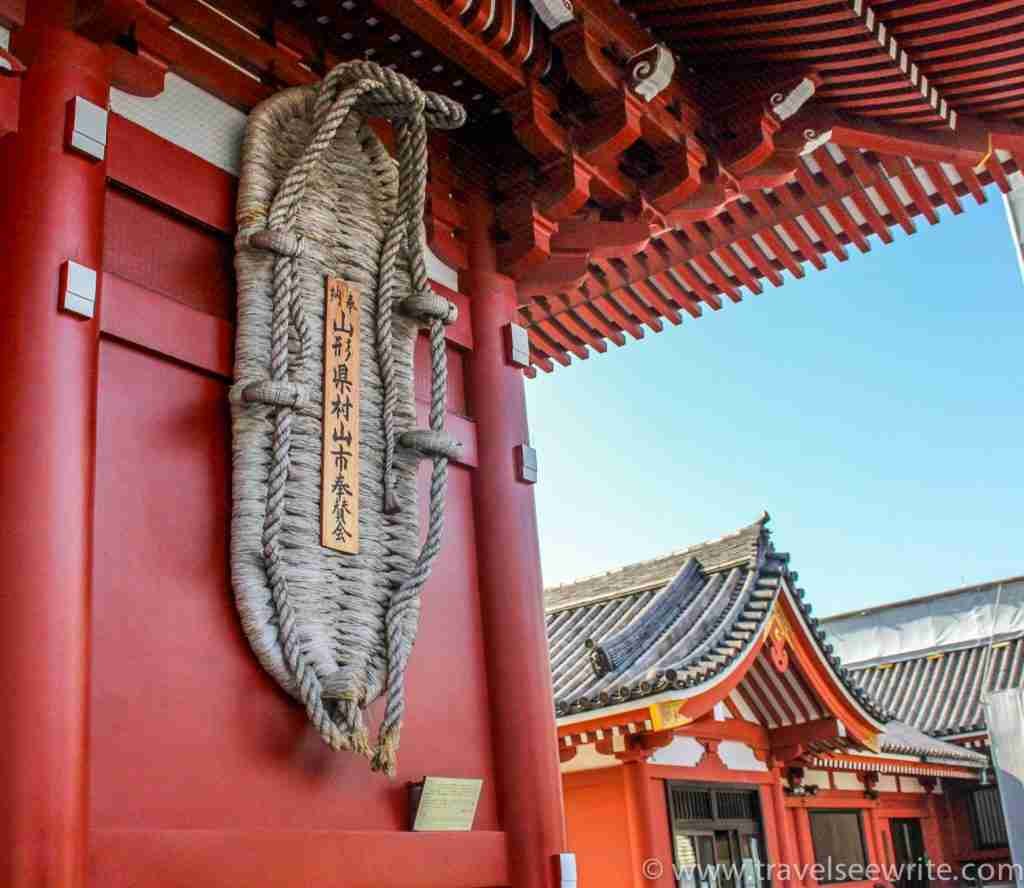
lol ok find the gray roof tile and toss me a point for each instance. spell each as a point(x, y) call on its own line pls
point(941, 693)
point(670, 622)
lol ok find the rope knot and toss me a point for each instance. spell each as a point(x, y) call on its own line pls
point(428, 307)
point(278, 393)
point(430, 443)
point(279, 241)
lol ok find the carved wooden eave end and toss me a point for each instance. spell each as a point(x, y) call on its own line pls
point(554, 13)
point(650, 71)
point(784, 104)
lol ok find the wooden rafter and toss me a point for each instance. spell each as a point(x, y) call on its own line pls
point(686, 255)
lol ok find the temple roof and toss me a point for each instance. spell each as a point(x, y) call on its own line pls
point(903, 739)
point(932, 660)
point(685, 621)
point(679, 622)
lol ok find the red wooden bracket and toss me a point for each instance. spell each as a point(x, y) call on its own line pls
point(583, 43)
point(680, 175)
point(529, 232)
point(615, 128)
point(136, 73)
point(531, 109)
point(566, 186)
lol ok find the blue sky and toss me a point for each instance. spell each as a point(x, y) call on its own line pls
point(875, 409)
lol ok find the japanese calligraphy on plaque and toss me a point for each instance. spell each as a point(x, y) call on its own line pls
point(339, 494)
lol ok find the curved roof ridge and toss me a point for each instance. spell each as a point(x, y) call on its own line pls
point(744, 546)
point(622, 648)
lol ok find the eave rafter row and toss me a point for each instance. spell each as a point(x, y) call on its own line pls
point(643, 193)
point(902, 60)
point(839, 197)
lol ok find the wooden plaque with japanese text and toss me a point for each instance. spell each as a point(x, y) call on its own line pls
point(339, 494)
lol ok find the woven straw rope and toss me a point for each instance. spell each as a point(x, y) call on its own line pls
point(319, 196)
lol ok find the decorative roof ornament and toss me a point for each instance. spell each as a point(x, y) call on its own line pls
point(651, 71)
point(554, 13)
point(780, 634)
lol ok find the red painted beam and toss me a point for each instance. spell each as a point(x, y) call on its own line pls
point(806, 733)
point(653, 297)
point(695, 283)
point(613, 310)
point(150, 320)
point(885, 191)
point(820, 227)
point(595, 319)
point(169, 858)
point(679, 293)
point(170, 176)
point(577, 328)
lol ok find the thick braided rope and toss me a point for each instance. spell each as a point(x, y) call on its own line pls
point(403, 610)
point(283, 212)
point(397, 98)
point(408, 106)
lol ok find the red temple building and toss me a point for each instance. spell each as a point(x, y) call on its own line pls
point(624, 166)
point(705, 719)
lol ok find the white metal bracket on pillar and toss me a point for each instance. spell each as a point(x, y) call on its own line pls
point(86, 130)
point(566, 863)
point(78, 289)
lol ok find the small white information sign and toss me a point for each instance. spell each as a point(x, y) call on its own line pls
point(447, 803)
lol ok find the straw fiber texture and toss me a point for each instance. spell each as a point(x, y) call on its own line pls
point(319, 197)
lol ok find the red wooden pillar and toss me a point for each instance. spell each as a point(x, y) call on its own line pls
point(773, 814)
point(874, 851)
point(874, 831)
point(519, 677)
point(784, 828)
point(51, 210)
point(647, 816)
point(935, 836)
point(806, 845)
